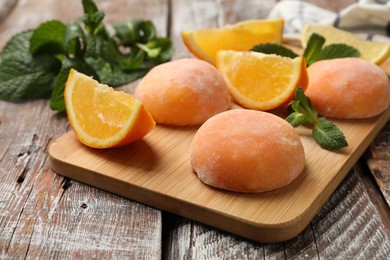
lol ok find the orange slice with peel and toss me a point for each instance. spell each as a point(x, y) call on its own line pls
point(102, 117)
point(205, 43)
point(262, 81)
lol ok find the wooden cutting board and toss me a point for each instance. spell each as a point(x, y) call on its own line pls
point(156, 171)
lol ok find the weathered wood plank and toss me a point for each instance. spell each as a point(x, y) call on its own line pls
point(352, 211)
point(378, 160)
point(186, 239)
point(113, 229)
point(43, 215)
point(348, 226)
point(6, 7)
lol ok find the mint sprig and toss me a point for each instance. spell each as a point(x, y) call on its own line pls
point(92, 17)
point(325, 133)
point(314, 51)
point(35, 64)
point(23, 76)
point(272, 48)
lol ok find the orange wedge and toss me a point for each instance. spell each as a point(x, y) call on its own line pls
point(262, 81)
point(102, 117)
point(242, 36)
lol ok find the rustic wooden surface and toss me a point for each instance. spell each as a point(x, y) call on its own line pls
point(157, 172)
point(43, 215)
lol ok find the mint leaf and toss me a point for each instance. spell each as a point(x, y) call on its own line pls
point(74, 40)
point(48, 38)
point(131, 61)
point(303, 112)
point(18, 44)
point(296, 119)
point(97, 46)
point(139, 35)
point(313, 48)
point(302, 105)
point(24, 77)
point(328, 135)
point(92, 17)
point(57, 97)
point(135, 31)
point(89, 7)
point(158, 50)
point(337, 50)
point(102, 69)
point(273, 48)
point(166, 49)
point(35, 64)
point(120, 77)
point(315, 51)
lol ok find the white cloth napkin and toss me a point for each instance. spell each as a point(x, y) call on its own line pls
point(369, 19)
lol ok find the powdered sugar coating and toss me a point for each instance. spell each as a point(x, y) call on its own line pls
point(183, 92)
point(348, 88)
point(247, 151)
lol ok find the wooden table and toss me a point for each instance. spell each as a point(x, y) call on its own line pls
point(43, 215)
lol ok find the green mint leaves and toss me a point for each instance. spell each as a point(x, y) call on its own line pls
point(313, 52)
point(326, 134)
point(92, 17)
point(23, 76)
point(35, 64)
point(272, 48)
point(48, 38)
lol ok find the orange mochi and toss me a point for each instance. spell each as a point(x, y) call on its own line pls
point(246, 150)
point(183, 92)
point(348, 88)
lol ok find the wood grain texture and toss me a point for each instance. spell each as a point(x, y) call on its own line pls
point(46, 216)
point(43, 214)
point(31, 194)
point(182, 243)
point(378, 160)
point(157, 171)
point(6, 7)
point(352, 210)
point(362, 237)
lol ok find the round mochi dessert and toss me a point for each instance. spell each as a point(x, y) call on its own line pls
point(247, 151)
point(183, 92)
point(348, 88)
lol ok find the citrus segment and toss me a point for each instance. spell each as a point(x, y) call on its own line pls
point(242, 36)
point(373, 51)
point(262, 81)
point(102, 117)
